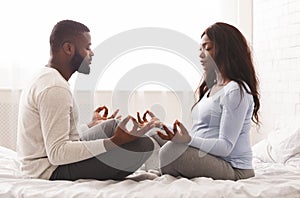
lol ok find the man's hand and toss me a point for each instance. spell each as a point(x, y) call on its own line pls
point(181, 136)
point(123, 135)
point(98, 118)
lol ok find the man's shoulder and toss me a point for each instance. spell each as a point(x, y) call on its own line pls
point(46, 79)
point(49, 77)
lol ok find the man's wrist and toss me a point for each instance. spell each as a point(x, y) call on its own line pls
point(110, 144)
point(91, 124)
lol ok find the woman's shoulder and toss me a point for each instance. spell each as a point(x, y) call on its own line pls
point(235, 90)
point(234, 86)
point(231, 86)
point(235, 93)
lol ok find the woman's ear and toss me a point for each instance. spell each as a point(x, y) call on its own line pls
point(68, 48)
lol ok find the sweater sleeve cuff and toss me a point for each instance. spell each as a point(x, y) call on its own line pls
point(82, 128)
point(95, 147)
point(194, 142)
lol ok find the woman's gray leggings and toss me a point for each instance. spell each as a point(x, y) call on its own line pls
point(182, 160)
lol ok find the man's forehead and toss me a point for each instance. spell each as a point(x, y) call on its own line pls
point(84, 37)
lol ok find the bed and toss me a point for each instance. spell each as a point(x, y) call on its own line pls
point(276, 163)
point(271, 180)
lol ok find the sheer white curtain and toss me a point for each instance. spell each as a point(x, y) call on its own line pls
point(26, 26)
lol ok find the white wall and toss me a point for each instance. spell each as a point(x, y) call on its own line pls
point(168, 106)
point(25, 47)
point(27, 25)
point(275, 40)
point(276, 43)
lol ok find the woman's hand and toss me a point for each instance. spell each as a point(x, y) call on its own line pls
point(144, 121)
point(122, 135)
point(97, 117)
point(181, 136)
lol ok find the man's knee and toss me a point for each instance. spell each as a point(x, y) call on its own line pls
point(145, 144)
point(142, 144)
point(110, 124)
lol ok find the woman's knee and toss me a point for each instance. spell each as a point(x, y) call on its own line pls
point(170, 154)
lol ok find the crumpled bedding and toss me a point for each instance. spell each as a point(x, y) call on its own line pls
point(271, 180)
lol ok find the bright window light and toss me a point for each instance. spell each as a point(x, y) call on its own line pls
point(26, 26)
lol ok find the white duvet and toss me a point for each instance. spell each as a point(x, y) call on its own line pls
point(271, 180)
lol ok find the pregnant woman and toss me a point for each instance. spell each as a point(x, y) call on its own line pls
point(218, 145)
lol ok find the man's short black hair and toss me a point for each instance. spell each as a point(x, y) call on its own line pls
point(65, 31)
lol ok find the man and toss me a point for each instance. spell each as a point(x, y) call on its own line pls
point(49, 145)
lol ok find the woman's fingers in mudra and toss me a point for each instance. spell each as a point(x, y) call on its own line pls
point(169, 134)
point(179, 136)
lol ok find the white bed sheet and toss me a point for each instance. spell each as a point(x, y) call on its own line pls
point(271, 180)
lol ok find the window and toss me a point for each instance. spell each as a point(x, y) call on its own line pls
point(26, 26)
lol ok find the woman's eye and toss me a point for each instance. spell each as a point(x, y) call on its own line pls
point(208, 47)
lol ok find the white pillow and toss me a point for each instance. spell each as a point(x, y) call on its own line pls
point(9, 164)
point(294, 161)
point(283, 146)
point(8, 153)
point(261, 152)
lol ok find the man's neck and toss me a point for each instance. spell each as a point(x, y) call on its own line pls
point(63, 69)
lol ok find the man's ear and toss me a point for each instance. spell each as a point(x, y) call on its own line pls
point(68, 48)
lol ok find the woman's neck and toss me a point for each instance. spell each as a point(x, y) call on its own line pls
point(220, 80)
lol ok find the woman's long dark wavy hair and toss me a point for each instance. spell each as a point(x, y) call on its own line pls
point(234, 60)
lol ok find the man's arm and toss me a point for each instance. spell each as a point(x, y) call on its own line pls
point(56, 112)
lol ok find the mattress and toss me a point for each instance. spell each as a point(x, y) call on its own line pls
point(271, 180)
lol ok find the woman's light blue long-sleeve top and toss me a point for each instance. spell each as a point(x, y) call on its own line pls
point(221, 125)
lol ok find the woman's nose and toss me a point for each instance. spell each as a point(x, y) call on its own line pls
point(202, 55)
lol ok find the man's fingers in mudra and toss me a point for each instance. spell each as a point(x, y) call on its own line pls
point(145, 116)
point(114, 114)
point(139, 118)
point(99, 109)
point(150, 114)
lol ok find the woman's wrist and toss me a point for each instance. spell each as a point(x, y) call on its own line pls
point(189, 140)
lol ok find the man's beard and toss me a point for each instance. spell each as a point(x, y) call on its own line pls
point(80, 64)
